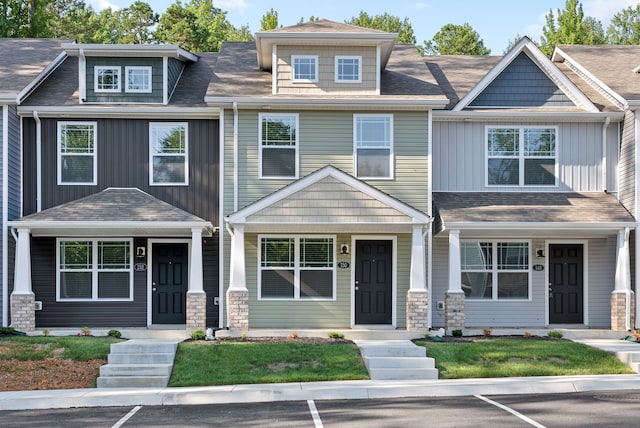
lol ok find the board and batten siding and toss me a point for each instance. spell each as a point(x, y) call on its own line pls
point(156, 96)
point(459, 156)
point(326, 83)
point(627, 172)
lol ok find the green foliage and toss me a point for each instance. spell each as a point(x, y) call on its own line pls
point(269, 20)
point(456, 40)
point(571, 27)
point(198, 335)
point(227, 363)
point(335, 335)
point(85, 331)
point(115, 333)
point(136, 22)
point(10, 331)
point(555, 334)
point(456, 333)
point(624, 28)
point(520, 357)
point(388, 23)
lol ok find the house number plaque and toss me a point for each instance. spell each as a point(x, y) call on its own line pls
point(538, 267)
point(140, 267)
point(343, 265)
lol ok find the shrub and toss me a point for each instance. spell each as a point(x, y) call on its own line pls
point(486, 332)
point(198, 335)
point(456, 333)
point(84, 331)
point(293, 335)
point(335, 335)
point(115, 333)
point(555, 334)
point(243, 336)
point(527, 335)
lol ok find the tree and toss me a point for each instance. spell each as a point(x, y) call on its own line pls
point(570, 27)
point(269, 20)
point(71, 19)
point(24, 18)
point(388, 23)
point(136, 22)
point(625, 27)
point(456, 40)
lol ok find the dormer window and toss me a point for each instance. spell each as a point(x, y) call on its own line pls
point(138, 79)
point(348, 69)
point(107, 79)
point(304, 68)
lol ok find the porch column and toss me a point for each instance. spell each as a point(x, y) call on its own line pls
point(622, 295)
point(23, 306)
point(196, 296)
point(237, 294)
point(417, 298)
point(454, 298)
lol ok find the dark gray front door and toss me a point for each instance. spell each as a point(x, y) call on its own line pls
point(566, 284)
point(170, 283)
point(373, 282)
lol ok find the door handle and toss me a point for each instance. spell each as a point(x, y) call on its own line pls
point(153, 289)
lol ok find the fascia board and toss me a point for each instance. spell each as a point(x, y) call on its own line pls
point(540, 225)
point(448, 115)
point(120, 112)
point(334, 104)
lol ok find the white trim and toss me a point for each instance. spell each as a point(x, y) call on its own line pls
point(521, 158)
point(539, 225)
point(337, 60)
point(96, 72)
point(93, 155)
point(261, 117)
point(94, 270)
point(165, 80)
point(5, 214)
point(33, 85)
point(129, 68)
point(221, 234)
point(185, 155)
point(356, 118)
point(343, 103)
point(94, 111)
point(394, 278)
point(129, 51)
point(82, 76)
point(274, 69)
point(293, 68)
point(149, 261)
point(379, 73)
point(585, 276)
point(297, 269)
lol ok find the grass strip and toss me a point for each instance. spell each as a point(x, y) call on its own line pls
point(32, 348)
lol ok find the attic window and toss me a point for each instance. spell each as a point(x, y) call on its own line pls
point(107, 79)
point(304, 68)
point(348, 69)
point(138, 79)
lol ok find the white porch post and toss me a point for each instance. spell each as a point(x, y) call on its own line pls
point(455, 286)
point(23, 315)
point(621, 300)
point(454, 298)
point(418, 279)
point(237, 294)
point(196, 297)
point(195, 271)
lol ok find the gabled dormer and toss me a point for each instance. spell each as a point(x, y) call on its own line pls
point(128, 74)
point(324, 58)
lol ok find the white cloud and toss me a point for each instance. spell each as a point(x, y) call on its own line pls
point(603, 10)
point(421, 5)
point(102, 4)
point(534, 31)
point(229, 5)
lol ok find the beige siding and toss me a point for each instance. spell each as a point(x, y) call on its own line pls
point(326, 83)
point(459, 155)
point(626, 186)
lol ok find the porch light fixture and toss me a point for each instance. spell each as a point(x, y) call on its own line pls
point(344, 249)
point(141, 252)
point(540, 252)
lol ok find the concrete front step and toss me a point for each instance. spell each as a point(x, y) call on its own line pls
point(403, 374)
point(139, 347)
point(141, 358)
point(110, 370)
point(396, 360)
point(390, 348)
point(132, 382)
point(399, 362)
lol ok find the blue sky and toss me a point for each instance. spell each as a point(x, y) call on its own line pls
point(497, 21)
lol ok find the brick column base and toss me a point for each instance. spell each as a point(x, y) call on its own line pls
point(196, 311)
point(453, 312)
point(23, 312)
point(417, 310)
point(238, 310)
point(619, 310)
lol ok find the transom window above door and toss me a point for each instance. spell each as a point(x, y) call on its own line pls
point(521, 156)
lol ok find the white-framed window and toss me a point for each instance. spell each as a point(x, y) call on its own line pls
point(77, 152)
point(278, 136)
point(296, 268)
point(496, 269)
point(373, 145)
point(168, 153)
point(521, 155)
point(137, 79)
point(304, 68)
point(106, 78)
point(94, 269)
point(348, 69)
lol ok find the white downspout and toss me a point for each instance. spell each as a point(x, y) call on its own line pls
point(82, 78)
point(605, 125)
point(430, 213)
point(221, 265)
point(235, 156)
point(38, 161)
point(5, 215)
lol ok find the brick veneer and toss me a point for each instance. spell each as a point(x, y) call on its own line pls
point(23, 312)
point(417, 310)
point(238, 310)
point(453, 311)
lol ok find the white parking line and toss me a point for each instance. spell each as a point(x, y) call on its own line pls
point(314, 414)
point(126, 417)
point(510, 410)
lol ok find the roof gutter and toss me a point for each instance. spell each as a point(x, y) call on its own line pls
point(119, 111)
point(373, 103)
point(36, 117)
point(504, 115)
point(486, 225)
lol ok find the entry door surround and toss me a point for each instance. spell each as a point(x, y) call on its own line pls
point(567, 282)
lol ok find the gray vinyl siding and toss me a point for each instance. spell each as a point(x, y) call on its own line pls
point(156, 96)
point(210, 269)
point(599, 259)
point(627, 186)
point(174, 71)
point(522, 84)
point(459, 152)
point(14, 172)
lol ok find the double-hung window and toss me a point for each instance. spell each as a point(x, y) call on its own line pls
point(521, 156)
point(138, 79)
point(278, 145)
point(348, 69)
point(304, 68)
point(92, 269)
point(77, 153)
point(297, 268)
point(106, 78)
point(373, 145)
point(495, 270)
point(169, 155)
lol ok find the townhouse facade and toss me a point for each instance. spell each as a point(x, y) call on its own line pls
point(324, 177)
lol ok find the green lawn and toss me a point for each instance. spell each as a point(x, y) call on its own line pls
point(224, 363)
point(26, 348)
point(520, 357)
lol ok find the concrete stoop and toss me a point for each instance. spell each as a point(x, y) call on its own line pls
point(396, 360)
point(138, 364)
